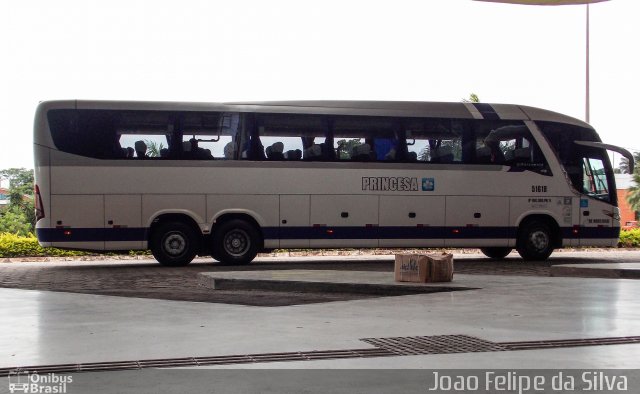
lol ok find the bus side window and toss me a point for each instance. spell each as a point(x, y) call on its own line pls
point(362, 152)
point(292, 137)
point(230, 151)
point(144, 146)
point(434, 140)
point(209, 136)
point(417, 150)
point(366, 138)
point(510, 144)
point(275, 151)
point(347, 149)
point(386, 149)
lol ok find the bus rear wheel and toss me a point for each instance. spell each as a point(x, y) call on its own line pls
point(535, 241)
point(496, 253)
point(174, 244)
point(235, 242)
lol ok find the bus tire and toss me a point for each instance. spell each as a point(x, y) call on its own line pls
point(535, 241)
point(174, 244)
point(496, 253)
point(235, 242)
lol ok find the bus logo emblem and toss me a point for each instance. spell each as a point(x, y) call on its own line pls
point(428, 184)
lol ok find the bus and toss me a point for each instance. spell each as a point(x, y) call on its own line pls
point(230, 180)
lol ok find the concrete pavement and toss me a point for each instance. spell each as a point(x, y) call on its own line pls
point(42, 327)
point(50, 328)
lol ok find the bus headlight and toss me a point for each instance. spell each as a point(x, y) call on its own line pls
point(615, 214)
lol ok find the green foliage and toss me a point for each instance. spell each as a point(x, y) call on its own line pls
point(473, 98)
point(12, 245)
point(21, 180)
point(623, 167)
point(153, 148)
point(14, 221)
point(345, 147)
point(633, 197)
point(629, 238)
point(19, 216)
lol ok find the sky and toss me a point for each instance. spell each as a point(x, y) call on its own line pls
point(245, 50)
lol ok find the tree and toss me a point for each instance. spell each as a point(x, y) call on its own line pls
point(345, 147)
point(473, 98)
point(154, 148)
point(623, 167)
point(20, 179)
point(633, 196)
point(19, 217)
point(14, 221)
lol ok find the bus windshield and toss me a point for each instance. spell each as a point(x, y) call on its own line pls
point(594, 179)
point(588, 167)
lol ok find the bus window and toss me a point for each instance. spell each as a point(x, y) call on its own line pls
point(433, 141)
point(434, 150)
point(107, 134)
point(594, 179)
point(588, 168)
point(352, 148)
point(282, 148)
point(316, 149)
point(209, 135)
point(360, 138)
point(386, 148)
point(418, 150)
point(139, 146)
point(292, 137)
point(508, 144)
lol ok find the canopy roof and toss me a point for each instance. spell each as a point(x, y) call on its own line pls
point(545, 2)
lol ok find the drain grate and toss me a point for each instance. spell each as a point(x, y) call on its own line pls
point(437, 344)
point(199, 361)
point(562, 343)
point(383, 347)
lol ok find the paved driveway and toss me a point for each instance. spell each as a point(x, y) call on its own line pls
point(147, 279)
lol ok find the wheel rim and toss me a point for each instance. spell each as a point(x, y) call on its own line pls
point(539, 240)
point(237, 242)
point(175, 244)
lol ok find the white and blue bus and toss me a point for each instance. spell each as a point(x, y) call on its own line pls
point(230, 180)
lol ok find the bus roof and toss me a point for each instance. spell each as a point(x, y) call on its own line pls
point(459, 110)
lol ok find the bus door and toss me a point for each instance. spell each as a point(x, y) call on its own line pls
point(598, 202)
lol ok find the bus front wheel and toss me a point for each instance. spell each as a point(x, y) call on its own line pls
point(235, 242)
point(174, 244)
point(496, 253)
point(535, 241)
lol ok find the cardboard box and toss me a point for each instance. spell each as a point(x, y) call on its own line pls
point(423, 268)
